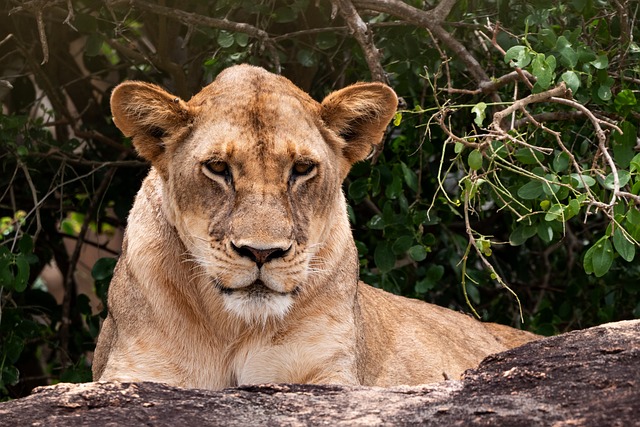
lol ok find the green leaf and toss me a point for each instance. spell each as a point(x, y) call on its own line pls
point(327, 40)
point(103, 268)
point(479, 111)
point(459, 146)
point(604, 93)
point(410, 177)
point(635, 163)
point(6, 274)
point(548, 37)
point(284, 14)
point(568, 56)
point(434, 274)
point(580, 180)
point(25, 245)
point(306, 58)
point(542, 69)
point(624, 247)
point(22, 275)
point(625, 98)
point(417, 253)
point(394, 189)
point(520, 55)
point(555, 213)
point(475, 160)
point(225, 39)
point(93, 44)
point(397, 119)
point(526, 156)
point(624, 143)
point(242, 39)
point(601, 62)
point(572, 80)
point(383, 257)
point(402, 244)
point(548, 186)
point(473, 292)
point(545, 232)
point(623, 178)
point(358, 189)
point(85, 23)
point(376, 223)
point(633, 216)
point(573, 209)
point(531, 190)
point(599, 258)
point(561, 161)
point(13, 348)
point(521, 234)
point(9, 375)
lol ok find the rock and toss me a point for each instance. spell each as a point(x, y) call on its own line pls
point(582, 378)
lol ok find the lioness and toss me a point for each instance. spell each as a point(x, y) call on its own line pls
point(239, 265)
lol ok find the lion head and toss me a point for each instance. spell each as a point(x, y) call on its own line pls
point(251, 170)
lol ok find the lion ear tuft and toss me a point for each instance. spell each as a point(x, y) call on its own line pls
point(149, 115)
point(359, 114)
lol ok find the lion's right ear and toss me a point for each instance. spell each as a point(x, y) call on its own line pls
point(150, 116)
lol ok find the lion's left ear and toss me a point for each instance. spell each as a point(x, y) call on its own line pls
point(359, 114)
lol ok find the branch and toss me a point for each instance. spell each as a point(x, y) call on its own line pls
point(36, 7)
point(536, 119)
point(442, 10)
point(430, 20)
point(560, 90)
point(92, 163)
point(363, 36)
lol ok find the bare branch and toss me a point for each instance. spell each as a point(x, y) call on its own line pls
point(498, 117)
point(363, 36)
point(196, 19)
point(430, 20)
point(442, 10)
point(70, 15)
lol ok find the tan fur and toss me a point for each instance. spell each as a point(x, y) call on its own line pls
point(192, 304)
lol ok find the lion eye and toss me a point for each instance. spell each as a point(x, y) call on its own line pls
point(216, 168)
point(302, 168)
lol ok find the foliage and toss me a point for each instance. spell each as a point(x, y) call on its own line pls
point(511, 169)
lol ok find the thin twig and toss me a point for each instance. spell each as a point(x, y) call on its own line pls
point(602, 142)
point(34, 195)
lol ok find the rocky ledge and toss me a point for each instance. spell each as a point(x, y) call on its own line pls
point(582, 378)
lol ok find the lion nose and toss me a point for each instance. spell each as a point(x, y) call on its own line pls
point(260, 256)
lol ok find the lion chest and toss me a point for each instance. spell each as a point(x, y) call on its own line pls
point(314, 352)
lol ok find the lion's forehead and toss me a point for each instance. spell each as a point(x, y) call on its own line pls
point(279, 140)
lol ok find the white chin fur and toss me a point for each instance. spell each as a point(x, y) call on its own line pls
point(257, 310)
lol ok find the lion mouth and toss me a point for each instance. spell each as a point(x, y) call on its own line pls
point(257, 289)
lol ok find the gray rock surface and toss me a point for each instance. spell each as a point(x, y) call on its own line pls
point(583, 378)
